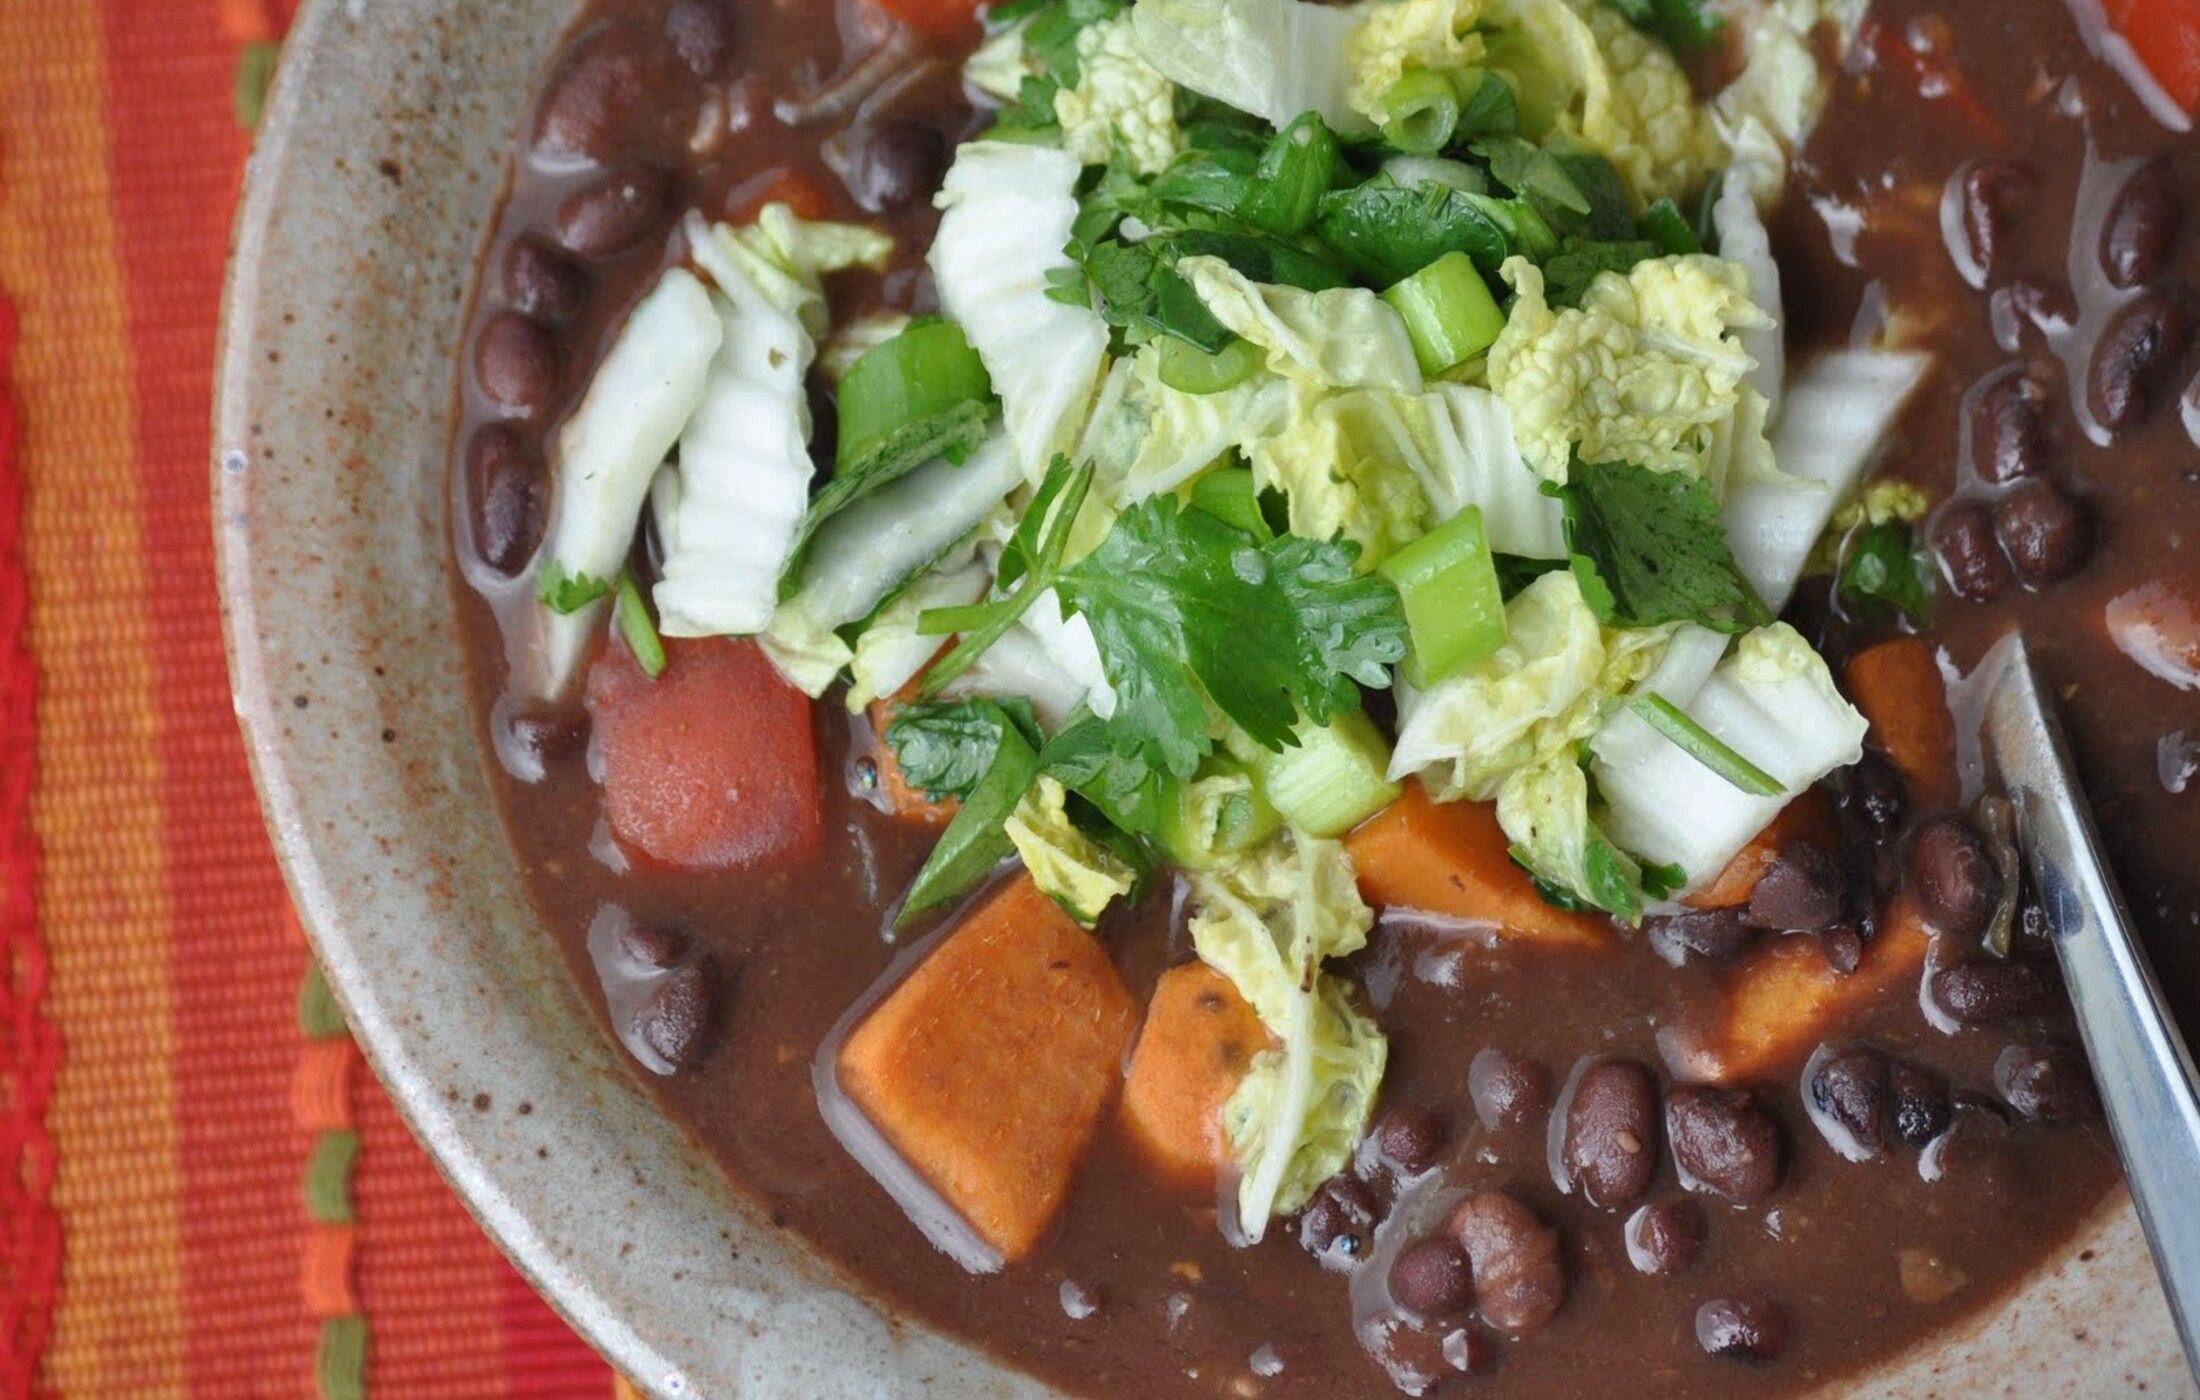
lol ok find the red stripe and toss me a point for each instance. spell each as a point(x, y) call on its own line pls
point(30, 1051)
point(543, 1357)
point(176, 157)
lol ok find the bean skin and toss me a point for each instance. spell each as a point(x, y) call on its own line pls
point(1508, 1090)
point(1432, 1277)
point(1520, 1277)
point(507, 496)
point(2136, 353)
point(1747, 1328)
point(616, 213)
point(2046, 535)
point(517, 362)
point(1609, 1140)
point(1992, 191)
point(2008, 422)
point(543, 282)
point(2047, 1082)
point(2141, 226)
point(598, 92)
point(679, 1020)
point(1724, 1141)
point(1970, 558)
point(1989, 992)
point(1953, 876)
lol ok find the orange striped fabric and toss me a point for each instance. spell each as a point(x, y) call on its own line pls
point(169, 1241)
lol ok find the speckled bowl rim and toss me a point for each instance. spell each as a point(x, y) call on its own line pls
point(347, 284)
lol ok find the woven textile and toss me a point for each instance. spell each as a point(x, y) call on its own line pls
point(201, 1193)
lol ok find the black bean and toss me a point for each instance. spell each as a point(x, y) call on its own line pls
point(601, 88)
point(1339, 1223)
point(2047, 535)
point(1713, 935)
point(900, 164)
point(1992, 192)
point(543, 282)
point(1990, 991)
point(507, 495)
point(1508, 1090)
point(1432, 1277)
point(1875, 787)
point(701, 35)
point(1519, 1274)
point(678, 1020)
point(1847, 1098)
point(1801, 889)
point(1409, 1137)
point(550, 735)
point(1919, 1107)
point(1747, 1328)
point(615, 213)
point(1724, 1141)
point(516, 362)
point(2136, 352)
point(653, 945)
point(2141, 226)
point(1963, 540)
point(1843, 947)
point(2047, 1082)
point(1954, 877)
point(1608, 1148)
point(2008, 419)
point(1665, 1238)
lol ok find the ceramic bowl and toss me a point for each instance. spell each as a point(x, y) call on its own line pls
point(366, 208)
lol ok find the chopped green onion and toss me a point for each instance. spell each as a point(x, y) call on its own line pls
point(637, 627)
point(1424, 112)
point(975, 840)
point(1198, 839)
point(1188, 369)
point(1335, 777)
point(1705, 747)
point(1664, 224)
point(928, 369)
point(1228, 494)
point(1449, 312)
point(1455, 608)
point(1487, 104)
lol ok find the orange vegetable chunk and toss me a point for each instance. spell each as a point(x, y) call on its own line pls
point(2165, 34)
point(1785, 997)
point(1808, 818)
point(989, 1067)
point(1199, 1039)
point(1453, 859)
point(711, 766)
point(1898, 688)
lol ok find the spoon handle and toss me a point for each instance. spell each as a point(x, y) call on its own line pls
point(2146, 1075)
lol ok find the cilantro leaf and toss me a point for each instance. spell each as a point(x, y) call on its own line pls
point(1386, 232)
point(1061, 496)
point(1123, 787)
point(1187, 609)
point(1580, 261)
point(1648, 549)
point(952, 433)
point(945, 750)
point(565, 593)
point(1885, 568)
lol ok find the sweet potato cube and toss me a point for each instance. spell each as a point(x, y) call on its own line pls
point(1808, 818)
point(902, 800)
point(990, 1066)
point(1898, 688)
point(1453, 859)
point(1200, 1037)
point(1785, 996)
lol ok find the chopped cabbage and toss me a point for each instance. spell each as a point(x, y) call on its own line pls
point(1120, 99)
point(1645, 370)
point(1839, 406)
point(607, 451)
point(1344, 338)
point(1773, 702)
point(1548, 687)
point(1458, 441)
point(891, 652)
point(1544, 809)
point(999, 66)
point(1074, 870)
point(1272, 58)
point(863, 553)
point(1774, 101)
point(1267, 922)
point(1145, 438)
point(1337, 468)
point(1582, 70)
point(1743, 240)
point(1052, 662)
point(1397, 35)
point(744, 455)
point(1009, 208)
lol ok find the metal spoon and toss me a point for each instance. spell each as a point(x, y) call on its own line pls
point(2146, 1076)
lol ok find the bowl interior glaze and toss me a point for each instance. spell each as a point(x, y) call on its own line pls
point(367, 203)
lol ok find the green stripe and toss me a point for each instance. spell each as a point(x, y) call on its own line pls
point(318, 1014)
point(328, 1176)
point(341, 1366)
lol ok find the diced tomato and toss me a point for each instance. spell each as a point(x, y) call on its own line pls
point(947, 18)
point(713, 765)
point(2165, 34)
